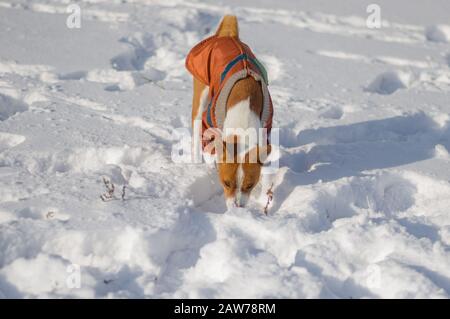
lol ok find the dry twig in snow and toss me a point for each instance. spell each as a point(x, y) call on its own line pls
point(123, 192)
point(109, 195)
point(269, 199)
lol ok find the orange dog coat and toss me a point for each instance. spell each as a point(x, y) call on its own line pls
point(219, 62)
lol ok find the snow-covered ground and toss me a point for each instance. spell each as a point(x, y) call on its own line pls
point(361, 199)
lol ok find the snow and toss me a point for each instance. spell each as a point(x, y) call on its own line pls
point(389, 82)
point(438, 33)
point(361, 199)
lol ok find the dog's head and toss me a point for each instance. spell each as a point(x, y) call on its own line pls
point(239, 174)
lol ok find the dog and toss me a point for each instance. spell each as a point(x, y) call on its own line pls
point(230, 100)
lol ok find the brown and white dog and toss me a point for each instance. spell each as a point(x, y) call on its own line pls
point(243, 96)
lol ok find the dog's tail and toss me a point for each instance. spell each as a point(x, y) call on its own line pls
point(228, 27)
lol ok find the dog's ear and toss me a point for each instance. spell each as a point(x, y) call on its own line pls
point(258, 154)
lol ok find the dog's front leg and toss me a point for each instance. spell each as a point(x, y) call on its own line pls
point(199, 102)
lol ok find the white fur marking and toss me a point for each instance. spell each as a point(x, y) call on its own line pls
point(240, 200)
point(243, 122)
point(239, 177)
point(230, 203)
point(241, 116)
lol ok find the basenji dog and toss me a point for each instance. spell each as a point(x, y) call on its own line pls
point(231, 110)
